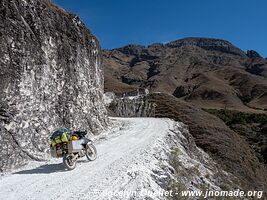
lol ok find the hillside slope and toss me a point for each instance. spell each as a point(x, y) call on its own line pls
point(189, 75)
point(210, 73)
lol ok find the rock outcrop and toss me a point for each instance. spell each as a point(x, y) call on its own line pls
point(50, 77)
point(253, 54)
point(208, 44)
point(132, 106)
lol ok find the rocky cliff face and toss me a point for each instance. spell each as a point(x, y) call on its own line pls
point(131, 106)
point(50, 77)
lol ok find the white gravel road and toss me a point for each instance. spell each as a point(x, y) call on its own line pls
point(129, 166)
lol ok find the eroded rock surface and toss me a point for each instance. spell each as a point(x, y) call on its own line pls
point(50, 77)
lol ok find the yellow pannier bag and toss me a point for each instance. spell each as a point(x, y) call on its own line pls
point(57, 139)
point(64, 137)
point(53, 143)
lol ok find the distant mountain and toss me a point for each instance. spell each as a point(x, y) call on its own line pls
point(210, 73)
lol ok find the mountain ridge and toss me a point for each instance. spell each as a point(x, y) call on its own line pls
point(224, 42)
point(189, 70)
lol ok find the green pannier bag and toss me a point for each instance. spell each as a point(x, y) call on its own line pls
point(60, 136)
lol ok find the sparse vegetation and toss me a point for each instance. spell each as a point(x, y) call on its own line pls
point(176, 187)
point(176, 152)
point(246, 99)
point(57, 9)
point(248, 125)
point(235, 117)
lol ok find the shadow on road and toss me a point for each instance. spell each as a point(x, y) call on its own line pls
point(44, 169)
point(48, 168)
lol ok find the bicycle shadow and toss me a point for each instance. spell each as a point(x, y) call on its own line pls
point(44, 169)
point(48, 168)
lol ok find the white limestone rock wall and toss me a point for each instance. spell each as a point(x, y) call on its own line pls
point(132, 106)
point(50, 77)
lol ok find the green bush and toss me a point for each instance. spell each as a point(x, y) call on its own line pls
point(246, 99)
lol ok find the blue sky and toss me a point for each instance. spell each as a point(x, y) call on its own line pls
point(120, 22)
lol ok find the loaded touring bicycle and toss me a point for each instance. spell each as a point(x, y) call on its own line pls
point(71, 146)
